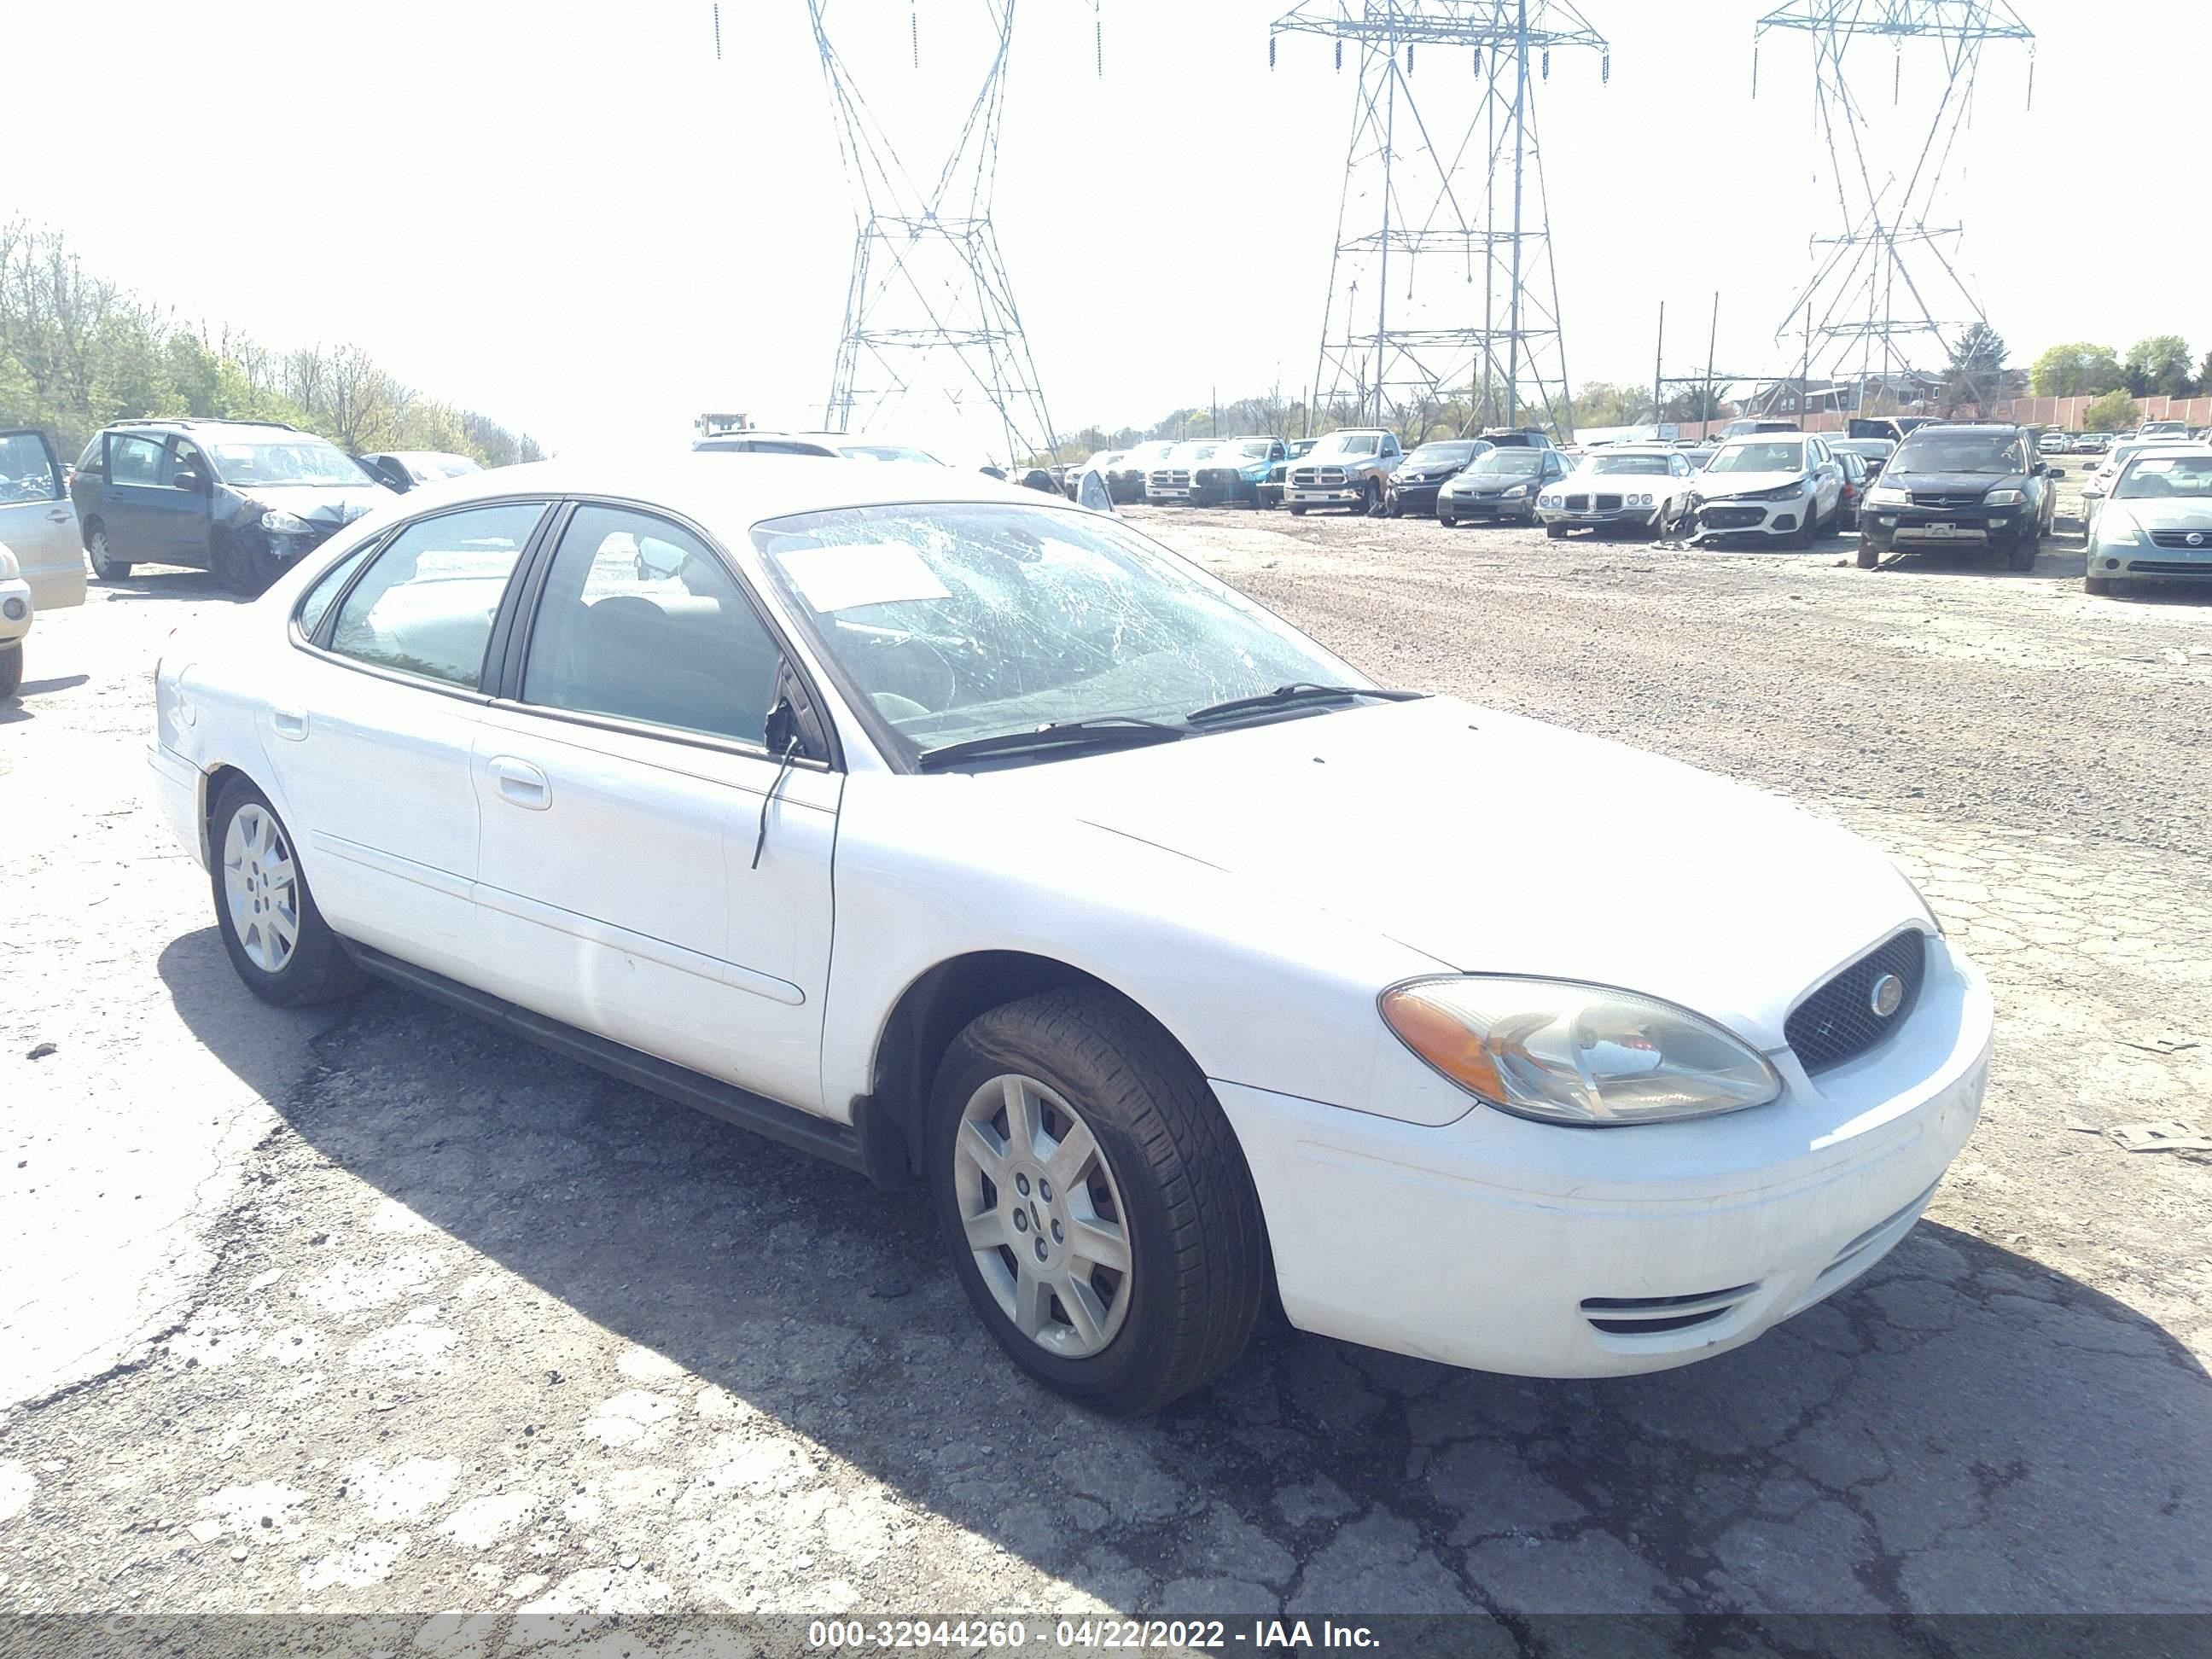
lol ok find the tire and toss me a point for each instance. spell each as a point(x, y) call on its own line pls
point(1446, 521)
point(1869, 556)
point(1558, 532)
point(234, 566)
point(1165, 1164)
point(1298, 512)
point(11, 668)
point(106, 567)
point(1808, 532)
point(257, 884)
point(2021, 558)
point(2097, 586)
point(1372, 500)
point(1396, 508)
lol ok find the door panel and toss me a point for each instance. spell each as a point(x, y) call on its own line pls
point(374, 740)
point(37, 522)
point(621, 798)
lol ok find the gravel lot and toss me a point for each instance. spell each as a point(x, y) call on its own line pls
point(374, 1308)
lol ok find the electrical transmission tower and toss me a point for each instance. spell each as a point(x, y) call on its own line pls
point(1888, 288)
point(929, 311)
point(1443, 284)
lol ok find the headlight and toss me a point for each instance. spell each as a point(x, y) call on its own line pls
point(1517, 492)
point(1888, 495)
point(283, 524)
point(1789, 492)
point(1256, 473)
point(2003, 498)
point(2117, 530)
point(1583, 1055)
point(1547, 501)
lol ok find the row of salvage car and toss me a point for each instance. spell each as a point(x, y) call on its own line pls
point(1944, 486)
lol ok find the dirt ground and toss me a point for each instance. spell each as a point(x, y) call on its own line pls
point(374, 1309)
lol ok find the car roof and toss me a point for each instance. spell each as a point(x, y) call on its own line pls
point(705, 486)
point(204, 424)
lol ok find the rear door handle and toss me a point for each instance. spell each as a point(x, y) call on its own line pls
point(521, 783)
point(290, 723)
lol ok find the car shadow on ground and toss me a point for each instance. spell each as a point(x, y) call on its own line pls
point(1962, 1429)
point(166, 582)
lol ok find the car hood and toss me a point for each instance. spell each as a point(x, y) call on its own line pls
point(1492, 843)
point(1952, 483)
point(1485, 482)
point(320, 504)
point(2156, 513)
point(1721, 486)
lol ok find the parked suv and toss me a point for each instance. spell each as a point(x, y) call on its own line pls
point(243, 499)
point(1350, 468)
point(1961, 486)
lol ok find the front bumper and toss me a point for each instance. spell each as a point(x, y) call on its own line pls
point(1884, 528)
point(2151, 561)
point(15, 610)
point(1724, 517)
point(1537, 1250)
point(176, 785)
point(1344, 495)
point(1470, 505)
point(1224, 489)
point(1599, 518)
point(1417, 497)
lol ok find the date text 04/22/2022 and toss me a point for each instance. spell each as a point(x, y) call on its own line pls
point(1263, 1635)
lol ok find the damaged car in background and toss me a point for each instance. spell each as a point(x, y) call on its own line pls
point(245, 499)
point(1770, 487)
point(1950, 486)
point(1350, 468)
point(1503, 484)
point(1414, 486)
point(1619, 486)
point(971, 840)
point(1232, 475)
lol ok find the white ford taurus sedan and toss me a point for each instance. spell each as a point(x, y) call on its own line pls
point(957, 834)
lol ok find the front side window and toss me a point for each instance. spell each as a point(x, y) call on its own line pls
point(957, 621)
point(641, 621)
point(426, 606)
point(27, 473)
point(184, 457)
point(297, 459)
point(132, 460)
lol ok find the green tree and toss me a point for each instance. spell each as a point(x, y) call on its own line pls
point(1977, 363)
point(2079, 370)
point(2112, 412)
point(2157, 366)
point(1602, 404)
point(2203, 376)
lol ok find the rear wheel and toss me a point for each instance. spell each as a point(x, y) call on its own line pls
point(11, 668)
point(1095, 1204)
point(106, 567)
point(274, 935)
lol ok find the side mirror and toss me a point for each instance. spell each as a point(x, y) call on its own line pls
point(189, 481)
point(2055, 471)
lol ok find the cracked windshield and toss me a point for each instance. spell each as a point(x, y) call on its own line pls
point(965, 621)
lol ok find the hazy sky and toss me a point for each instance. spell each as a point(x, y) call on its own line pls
point(575, 219)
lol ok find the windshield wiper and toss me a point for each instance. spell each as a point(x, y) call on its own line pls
point(1105, 731)
point(1284, 696)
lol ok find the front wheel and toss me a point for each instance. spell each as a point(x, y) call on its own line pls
point(1557, 533)
point(106, 567)
point(11, 668)
point(1869, 556)
point(1372, 500)
point(1298, 512)
point(1095, 1200)
point(2021, 557)
point(1446, 521)
point(2097, 586)
point(274, 935)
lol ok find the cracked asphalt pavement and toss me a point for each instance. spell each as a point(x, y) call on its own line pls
point(374, 1309)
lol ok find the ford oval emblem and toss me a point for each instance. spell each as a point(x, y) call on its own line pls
point(1887, 997)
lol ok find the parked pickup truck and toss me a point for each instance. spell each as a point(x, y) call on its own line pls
point(1350, 468)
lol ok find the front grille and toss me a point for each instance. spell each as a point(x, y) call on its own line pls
point(1305, 475)
point(1654, 1316)
point(1608, 503)
point(1174, 480)
point(1575, 503)
point(1934, 498)
point(1838, 1022)
point(2172, 566)
point(2180, 538)
point(1732, 518)
point(1216, 475)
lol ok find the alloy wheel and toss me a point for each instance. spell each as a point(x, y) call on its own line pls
point(102, 562)
point(1043, 1216)
point(261, 887)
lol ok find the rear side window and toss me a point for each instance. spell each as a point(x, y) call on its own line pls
point(641, 622)
point(326, 591)
point(425, 607)
point(93, 458)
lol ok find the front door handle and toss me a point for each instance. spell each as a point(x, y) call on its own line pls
point(521, 783)
point(290, 723)
point(58, 517)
